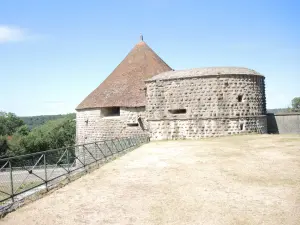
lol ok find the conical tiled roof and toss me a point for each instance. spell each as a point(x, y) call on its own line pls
point(125, 85)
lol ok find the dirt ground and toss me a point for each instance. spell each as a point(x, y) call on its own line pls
point(239, 180)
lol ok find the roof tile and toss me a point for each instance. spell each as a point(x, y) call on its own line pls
point(125, 85)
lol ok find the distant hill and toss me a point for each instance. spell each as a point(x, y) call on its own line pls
point(279, 110)
point(34, 121)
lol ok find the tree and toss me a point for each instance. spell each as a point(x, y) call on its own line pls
point(22, 130)
point(17, 139)
point(296, 103)
point(35, 121)
point(15, 147)
point(9, 123)
point(51, 135)
point(3, 146)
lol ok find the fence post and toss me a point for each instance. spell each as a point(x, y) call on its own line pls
point(68, 163)
point(11, 181)
point(127, 143)
point(122, 147)
point(130, 142)
point(83, 150)
point(115, 145)
point(108, 148)
point(97, 153)
point(97, 156)
point(45, 167)
point(123, 143)
point(133, 141)
point(139, 139)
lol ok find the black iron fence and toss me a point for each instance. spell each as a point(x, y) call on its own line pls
point(24, 175)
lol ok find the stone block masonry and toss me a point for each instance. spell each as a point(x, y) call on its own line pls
point(201, 128)
point(205, 106)
point(92, 126)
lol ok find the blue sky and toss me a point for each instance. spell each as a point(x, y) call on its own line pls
point(54, 53)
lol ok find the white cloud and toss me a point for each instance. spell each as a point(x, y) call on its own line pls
point(12, 34)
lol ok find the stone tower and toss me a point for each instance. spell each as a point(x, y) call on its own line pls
point(206, 102)
point(116, 107)
point(144, 95)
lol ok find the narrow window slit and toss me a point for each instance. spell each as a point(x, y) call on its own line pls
point(241, 126)
point(240, 98)
point(177, 111)
point(132, 124)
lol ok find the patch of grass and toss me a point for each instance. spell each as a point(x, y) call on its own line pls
point(28, 185)
point(4, 188)
point(3, 196)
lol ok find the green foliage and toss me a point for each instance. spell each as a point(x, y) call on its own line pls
point(9, 123)
point(15, 147)
point(22, 130)
point(35, 121)
point(3, 146)
point(53, 134)
point(296, 103)
point(16, 138)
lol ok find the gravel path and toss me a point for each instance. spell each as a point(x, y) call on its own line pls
point(231, 180)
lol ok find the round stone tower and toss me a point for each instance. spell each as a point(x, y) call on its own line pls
point(116, 107)
point(206, 102)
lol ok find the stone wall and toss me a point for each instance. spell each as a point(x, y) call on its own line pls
point(284, 123)
point(201, 128)
point(91, 126)
point(206, 106)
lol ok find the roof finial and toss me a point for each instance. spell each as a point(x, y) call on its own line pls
point(141, 38)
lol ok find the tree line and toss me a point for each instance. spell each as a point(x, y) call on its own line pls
point(35, 121)
point(17, 138)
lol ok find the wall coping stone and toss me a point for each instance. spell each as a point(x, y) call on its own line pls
point(209, 118)
point(284, 114)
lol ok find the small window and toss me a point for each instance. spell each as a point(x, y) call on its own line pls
point(240, 98)
point(111, 111)
point(241, 126)
point(177, 111)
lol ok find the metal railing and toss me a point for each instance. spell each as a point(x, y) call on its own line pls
point(24, 175)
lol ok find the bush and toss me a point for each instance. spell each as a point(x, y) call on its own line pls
point(3, 146)
point(9, 123)
point(52, 135)
point(296, 104)
point(17, 139)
